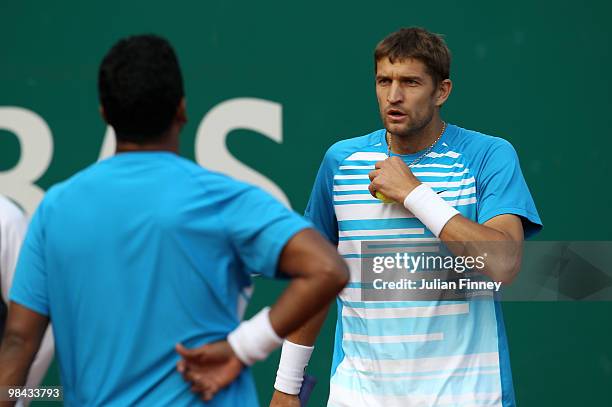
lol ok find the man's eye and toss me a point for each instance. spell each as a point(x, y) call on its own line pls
point(383, 81)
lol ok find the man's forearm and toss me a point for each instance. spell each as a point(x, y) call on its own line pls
point(304, 297)
point(15, 360)
point(297, 349)
point(500, 238)
point(22, 336)
point(393, 178)
point(318, 274)
point(307, 334)
point(298, 346)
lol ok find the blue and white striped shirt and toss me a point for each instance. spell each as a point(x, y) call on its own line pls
point(417, 353)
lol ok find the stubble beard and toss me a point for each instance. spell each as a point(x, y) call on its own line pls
point(410, 130)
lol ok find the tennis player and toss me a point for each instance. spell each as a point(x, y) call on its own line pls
point(146, 250)
point(446, 183)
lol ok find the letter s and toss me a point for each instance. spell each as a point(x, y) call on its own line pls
point(260, 115)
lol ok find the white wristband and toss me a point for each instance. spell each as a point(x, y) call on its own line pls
point(293, 361)
point(255, 339)
point(430, 208)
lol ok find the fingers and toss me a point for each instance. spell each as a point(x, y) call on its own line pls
point(206, 390)
point(373, 174)
point(399, 164)
point(380, 164)
point(195, 353)
point(206, 395)
point(212, 352)
point(372, 190)
point(183, 368)
point(197, 388)
point(193, 376)
point(208, 368)
point(205, 386)
point(390, 162)
point(210, 391)
point(202, 384)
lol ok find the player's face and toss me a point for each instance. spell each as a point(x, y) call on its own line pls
point(406, 94)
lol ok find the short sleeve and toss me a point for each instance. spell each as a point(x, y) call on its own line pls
point(502, 189)
point(259, 227)
point(320, 208)
point(29, 287)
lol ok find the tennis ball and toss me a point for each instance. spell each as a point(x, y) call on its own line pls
point(383, 198)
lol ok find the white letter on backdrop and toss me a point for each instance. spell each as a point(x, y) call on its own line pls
point(259, 115)
point(36, 141)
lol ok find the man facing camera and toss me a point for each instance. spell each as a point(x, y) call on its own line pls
point(146, 250)
point(419, 179)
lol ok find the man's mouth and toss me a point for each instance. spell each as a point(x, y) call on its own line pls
point(395, 114)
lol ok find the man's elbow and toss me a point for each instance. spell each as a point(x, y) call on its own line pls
point(507, 273)
point(335, 273)
point(15, 342)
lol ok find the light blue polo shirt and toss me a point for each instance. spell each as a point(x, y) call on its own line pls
point(137, 253)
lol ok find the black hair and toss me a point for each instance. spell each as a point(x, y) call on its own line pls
point(141, 87)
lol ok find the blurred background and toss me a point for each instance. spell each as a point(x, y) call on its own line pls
point(274, 84)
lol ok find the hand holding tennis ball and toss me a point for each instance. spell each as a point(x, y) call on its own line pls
point(383, 198)
point(392, 180)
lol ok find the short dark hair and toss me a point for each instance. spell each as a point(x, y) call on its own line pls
point(141, 87)
point(420, 44)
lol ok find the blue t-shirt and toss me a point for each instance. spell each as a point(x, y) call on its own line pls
point(392, 353)
point(136, 254)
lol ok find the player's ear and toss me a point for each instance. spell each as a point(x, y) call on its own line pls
point(181, 111)
point(444, 89)
point(102, 113)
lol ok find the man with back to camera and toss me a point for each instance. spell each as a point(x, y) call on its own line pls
point(146, 250)
point(446, 183)
point(13, 226)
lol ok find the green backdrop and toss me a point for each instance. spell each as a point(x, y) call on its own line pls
point(535, 73)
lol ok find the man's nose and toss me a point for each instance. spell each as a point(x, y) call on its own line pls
point(395, 93)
